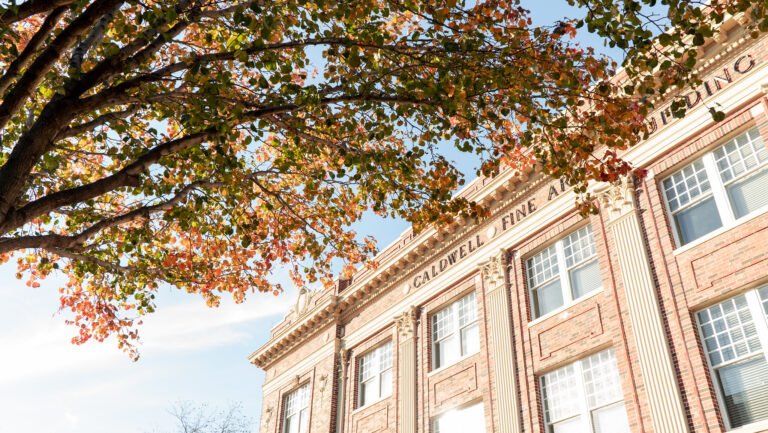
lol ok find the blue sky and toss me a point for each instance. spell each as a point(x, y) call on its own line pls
point(189, 352)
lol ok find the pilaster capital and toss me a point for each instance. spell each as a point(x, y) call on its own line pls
point(493, 271)
point(618, 199)
point(406, 323)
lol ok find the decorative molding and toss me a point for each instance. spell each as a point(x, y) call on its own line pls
point(494, 271)
point(619, 199)
point(322, 382)
point(406, 323)
point(303, 302)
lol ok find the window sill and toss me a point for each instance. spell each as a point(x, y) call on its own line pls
point(371, 404)
point(563, 308)
point(721, 230)
point(445, 367)
point(755, 427)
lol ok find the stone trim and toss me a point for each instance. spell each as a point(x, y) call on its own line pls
point(500, 344)
point(658, 373)
point(406, 369)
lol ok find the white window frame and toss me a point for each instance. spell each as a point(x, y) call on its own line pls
point(761, 326)
point(378, 376)
point(584, 411)
point(718, 192)
point(563, 275)
point(302, 413)
point(456, 332)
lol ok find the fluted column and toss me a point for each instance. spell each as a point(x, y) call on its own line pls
point(665, 404)
point(406, 328)
point(500, 343)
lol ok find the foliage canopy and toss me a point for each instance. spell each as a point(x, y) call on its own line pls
point(202, 143)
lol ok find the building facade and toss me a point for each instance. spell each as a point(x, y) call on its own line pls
point(649, 317)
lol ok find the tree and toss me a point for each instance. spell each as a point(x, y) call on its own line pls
point(201, 419)
point(203, 143)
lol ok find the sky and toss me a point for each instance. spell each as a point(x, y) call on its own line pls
point(189, 352)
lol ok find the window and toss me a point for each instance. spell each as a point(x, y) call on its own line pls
point(296, 411)
point(718, 188)
point(585, 397)
point(735, 336)
point(455, 332)
point(470, 419)
point(563, 272)
point(375, 373)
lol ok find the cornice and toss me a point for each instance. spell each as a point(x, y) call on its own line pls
point(315, 320)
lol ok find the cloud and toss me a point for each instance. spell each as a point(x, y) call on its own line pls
point(43, 347)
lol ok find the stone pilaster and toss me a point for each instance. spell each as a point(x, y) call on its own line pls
point(406, 329)
point(665, 404)
point(494, 273)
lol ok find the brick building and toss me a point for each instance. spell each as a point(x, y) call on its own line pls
point(649, 317)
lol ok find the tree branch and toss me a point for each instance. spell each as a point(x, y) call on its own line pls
point(32, 7)
point(132, 54)
point(76, 130)
point(128, 175)
point(77, 241)
point(125, 177)
point(94, 37)
point(28, 82)
point(32, 47)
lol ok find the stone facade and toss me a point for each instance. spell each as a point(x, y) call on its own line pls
point(500, 352)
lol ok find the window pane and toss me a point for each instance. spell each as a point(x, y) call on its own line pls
point(367, 367)
point(686, 185)
point(542, 267)
point(561, 393)
point(385, 356)
point(470, 340)
point(368, 392)
point(473, 419)
point(601, 379)
point(745, 391)
point(303, 419)
point(750, 194)
point(573, 425)
point(729, 331)
point(740, 155)
point(465, 420)
point(467, 309)
point(697, 221)
point(763, 293)
point(386, 383)
point(611, 419)
point(585, 279)
point(372, 366)
point(290, 426)
point(445, 352)
point(448, 343)
point(442, 324)
point(547, 298)
point(579, 246)
point(295, 412)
